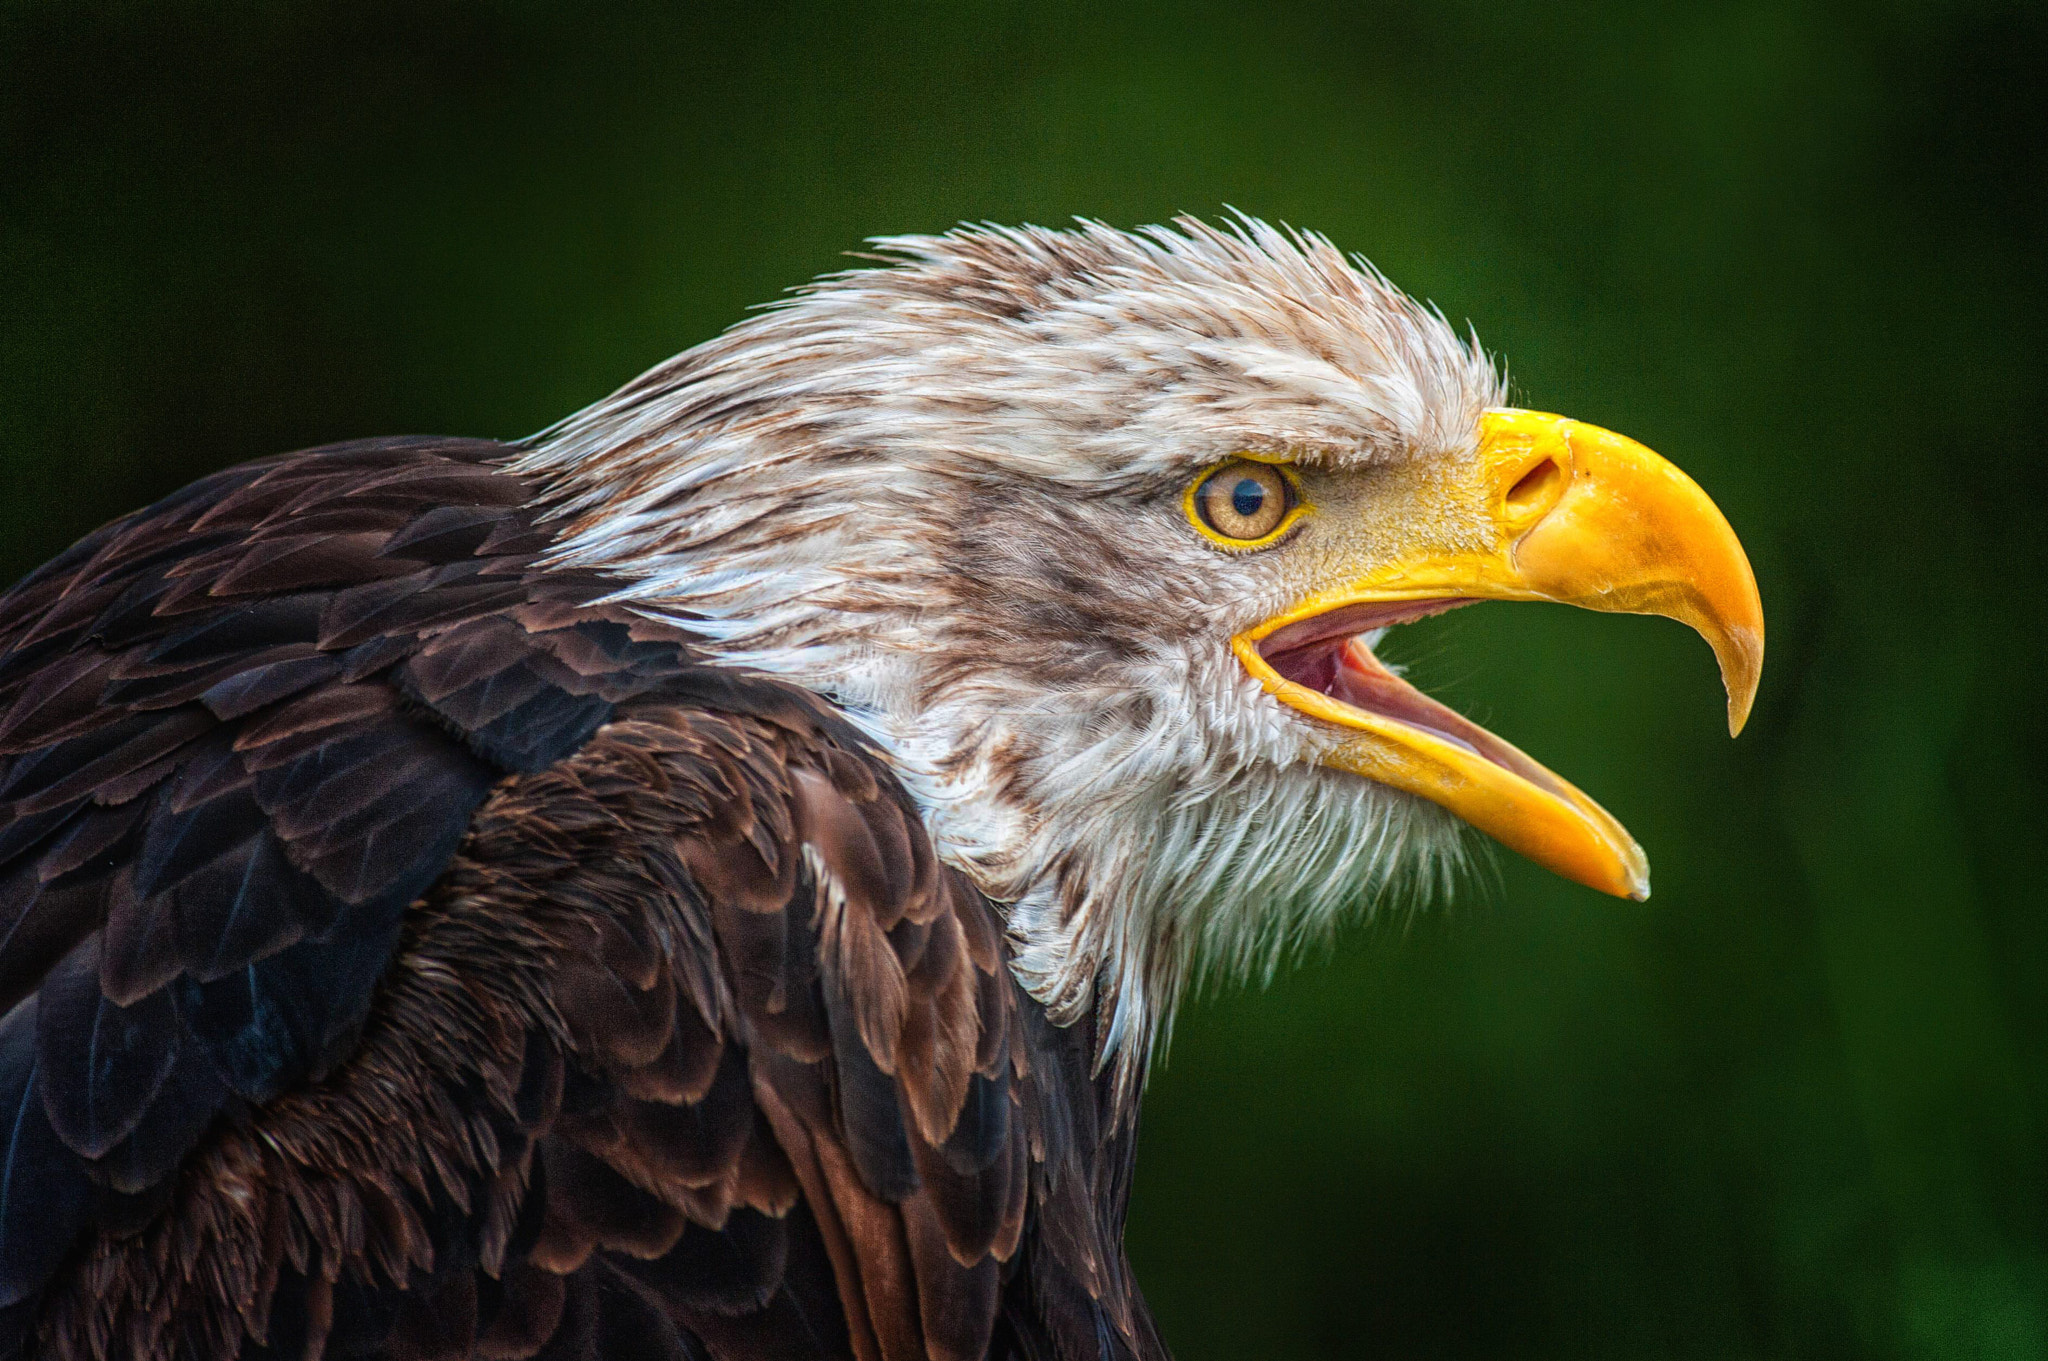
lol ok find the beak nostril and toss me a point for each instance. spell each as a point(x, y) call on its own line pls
point(1536, 489)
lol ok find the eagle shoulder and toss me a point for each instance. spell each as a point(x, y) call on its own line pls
point(403, 953)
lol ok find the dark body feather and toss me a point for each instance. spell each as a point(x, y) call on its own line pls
point(403, 954)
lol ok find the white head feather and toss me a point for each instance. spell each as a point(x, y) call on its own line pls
point(945, 493)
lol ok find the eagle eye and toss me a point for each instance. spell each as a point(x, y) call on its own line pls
point(1244, 503)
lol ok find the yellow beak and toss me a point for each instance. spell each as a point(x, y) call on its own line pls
point(1575, 514)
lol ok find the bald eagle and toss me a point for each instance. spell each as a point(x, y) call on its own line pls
point(706, 880)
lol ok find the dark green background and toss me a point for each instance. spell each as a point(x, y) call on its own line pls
point(1795, 1105)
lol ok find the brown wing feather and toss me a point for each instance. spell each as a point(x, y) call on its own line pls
point(691, 1048)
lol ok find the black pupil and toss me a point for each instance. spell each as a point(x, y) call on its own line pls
point(1246, 497)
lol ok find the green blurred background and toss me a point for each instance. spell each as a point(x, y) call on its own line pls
point(1792, 1107)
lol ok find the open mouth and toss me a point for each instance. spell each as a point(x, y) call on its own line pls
point(1322, 663)
point(1332, 655)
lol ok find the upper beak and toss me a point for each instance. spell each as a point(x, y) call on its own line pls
point(1575, 514)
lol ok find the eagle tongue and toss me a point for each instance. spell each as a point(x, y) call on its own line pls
point(1362, 680)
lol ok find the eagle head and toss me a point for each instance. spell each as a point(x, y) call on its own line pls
point(1095, 532)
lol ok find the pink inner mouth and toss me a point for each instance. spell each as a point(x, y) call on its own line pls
point(1327, 654)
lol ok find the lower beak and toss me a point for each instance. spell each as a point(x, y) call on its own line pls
point(1578, 515)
